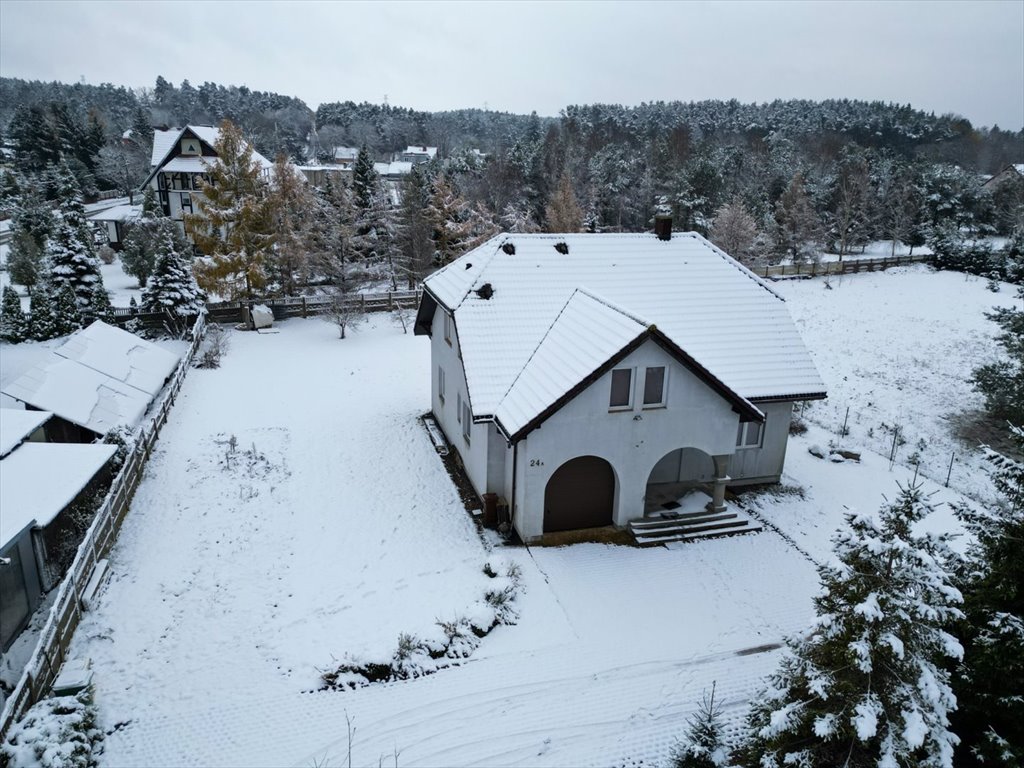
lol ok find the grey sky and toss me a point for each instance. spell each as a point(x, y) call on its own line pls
point(962, 57)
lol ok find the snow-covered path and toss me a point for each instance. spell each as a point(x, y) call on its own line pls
point(330, 528)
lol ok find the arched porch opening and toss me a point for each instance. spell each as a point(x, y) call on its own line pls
point(579, 494)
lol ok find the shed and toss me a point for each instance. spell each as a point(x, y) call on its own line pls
point(18, 426)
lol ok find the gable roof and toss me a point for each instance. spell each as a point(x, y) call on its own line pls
point(121, 355)
point(16, 425)
point(165, 144)
point(707, 309)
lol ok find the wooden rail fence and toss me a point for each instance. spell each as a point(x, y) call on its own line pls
point(55, 638)
point(840, 267)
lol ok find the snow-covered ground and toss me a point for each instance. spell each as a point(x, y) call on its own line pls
point(120, 285)
point(332, 527)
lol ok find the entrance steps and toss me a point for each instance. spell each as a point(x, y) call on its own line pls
point(686, 526)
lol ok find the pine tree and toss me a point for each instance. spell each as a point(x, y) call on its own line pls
point(42, 320)
point(13, 324)
point(866, 688)
point(703, 746)
point(172, 288)
point(234, 226)
point(989, 683)
point(67, 316)
point(563, 212)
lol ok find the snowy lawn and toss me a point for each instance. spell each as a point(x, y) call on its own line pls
point(239, 575)
point(121, 286)
point(897, 348)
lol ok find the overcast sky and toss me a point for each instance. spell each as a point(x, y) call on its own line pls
point(966, 58)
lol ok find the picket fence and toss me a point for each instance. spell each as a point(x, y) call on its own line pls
point(65, 614)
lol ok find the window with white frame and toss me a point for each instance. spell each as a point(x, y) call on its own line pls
point(622, 389)
point(654, 386)
point(440, 384)
point(467, 420)
point(749, 434)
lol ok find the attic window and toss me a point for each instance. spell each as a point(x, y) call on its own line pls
point(485, 291)
point(509, 248)
point(562, 248)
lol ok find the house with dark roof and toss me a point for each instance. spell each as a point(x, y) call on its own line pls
point(591, 380)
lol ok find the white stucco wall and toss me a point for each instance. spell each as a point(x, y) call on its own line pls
point(764, 464)
point(632, 441)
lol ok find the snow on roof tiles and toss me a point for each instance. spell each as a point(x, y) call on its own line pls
point(117, 213)
point(163, 141)
point(79, 394)
point(706, 303)
point(38, 480)
point(585, 334)
point(16, 425)
point(430, 152)
point(188, 164)
point(122, 356)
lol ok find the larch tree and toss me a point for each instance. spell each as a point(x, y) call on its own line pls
point(172, 288)
point(291, 202)
point(990, 681)
point(563, 212)
point(797, 228)
point(448, 213)
point(234, 225)
point(867, 686)
point(13, 323)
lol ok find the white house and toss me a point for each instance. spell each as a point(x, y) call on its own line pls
point(585, 378)
point(181, 158)
point(418, 154)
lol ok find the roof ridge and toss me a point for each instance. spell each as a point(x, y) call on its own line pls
point(489, 258)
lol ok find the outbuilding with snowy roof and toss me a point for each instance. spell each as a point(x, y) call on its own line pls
point(591, 380)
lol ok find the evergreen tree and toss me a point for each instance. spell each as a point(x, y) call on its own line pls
point(71, 261)
point(1002, 382)
point(375, 238)
point(797, 227)
point(138, 256)
point(67, 316)
point(101, 308)
point(31, 225)
point(330, 231)
point(989, 683)
point(234, 226)
point(172, 288)
point(563, 212)
point(42, 320)
point(365, 180)
point(703, 746)
point(866, 688)
point(414, 233)
point(13, 324)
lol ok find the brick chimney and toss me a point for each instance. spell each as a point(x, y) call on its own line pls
point(663, 226)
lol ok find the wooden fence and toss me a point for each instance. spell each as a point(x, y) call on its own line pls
point(840, 267)
point(52, 646)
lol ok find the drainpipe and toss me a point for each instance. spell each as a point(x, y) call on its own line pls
point(512, 501)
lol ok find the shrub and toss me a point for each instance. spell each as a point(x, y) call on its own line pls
point(59, 732)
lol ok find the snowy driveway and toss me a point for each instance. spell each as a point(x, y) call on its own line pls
point(328, 526)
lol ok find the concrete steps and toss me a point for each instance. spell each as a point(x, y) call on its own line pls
point(687, 526)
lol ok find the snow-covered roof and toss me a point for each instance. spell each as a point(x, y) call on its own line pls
point(706, 304)
point(38, 480)
point(117, 213)
point(16, 425)
point(163, 141)
point(79, 394)
point(394, 168)
point(166, 141)
point(430, 152)
point(188, 164)
point(1019, 168)
point(346, 153)
point(122, 356)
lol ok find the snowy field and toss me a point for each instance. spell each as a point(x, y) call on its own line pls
point(331, 527)
point(121, 286)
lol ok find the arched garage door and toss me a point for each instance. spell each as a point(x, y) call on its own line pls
point(580, 494)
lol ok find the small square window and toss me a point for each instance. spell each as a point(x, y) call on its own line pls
point(749, 434)
point(654, 386)
point(622, 388)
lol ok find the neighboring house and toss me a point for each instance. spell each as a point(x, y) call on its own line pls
point(346, 157)
point(417, 155)
point(317, 174)
point(586, 378)
point(38, 482)
point(181, 159)
point(100, 378)
point(1015, 171)
point(110, 224)
point(396, 170)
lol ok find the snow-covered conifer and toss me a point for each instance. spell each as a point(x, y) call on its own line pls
point(866, 686)
point(67, 316)
point(989, 683)
point(42, 320)
point(101, 308)
point(13, 324)
point(172, 288)
point(703, 746)
point(71, 261)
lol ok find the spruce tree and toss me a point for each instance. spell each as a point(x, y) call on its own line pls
point(990, 682)
point(365, 180)
point(172, 288)
point(234, 225)
point(448, 214)
point(865, 687)
point(67, 317)
point(71, 261)
point(31, 225)
point(42, 321)
point(1002, 382)
point(414, 229)
point(13, 324)
point(101, 308)
point(703, 746)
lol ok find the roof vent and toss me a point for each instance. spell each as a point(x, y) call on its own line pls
point(509, 248)
point(469, 265)
point(562, 248)
point(485, 291)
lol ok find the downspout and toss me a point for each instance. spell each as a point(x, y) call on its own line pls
point(512, 501)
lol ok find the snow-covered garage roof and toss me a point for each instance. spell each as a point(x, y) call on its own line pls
point(117, 213)
point(38, 480)
point(702, 301)
point(122, 356)
point(16, 425)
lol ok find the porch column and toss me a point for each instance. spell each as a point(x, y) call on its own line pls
point(721, 478)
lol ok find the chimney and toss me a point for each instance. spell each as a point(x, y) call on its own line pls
point(663, 226)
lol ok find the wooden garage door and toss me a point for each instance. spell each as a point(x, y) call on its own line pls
point(579, 494)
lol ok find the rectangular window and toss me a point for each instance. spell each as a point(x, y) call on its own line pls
point(467, 421)
point(622, 388)
point(440, 384)
point(448, 328)
point(654, 386)
point(458, 407)
point(749, 434)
